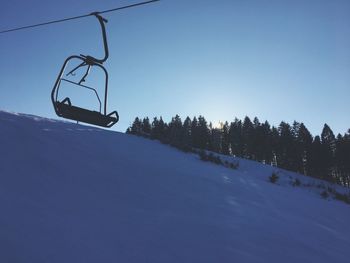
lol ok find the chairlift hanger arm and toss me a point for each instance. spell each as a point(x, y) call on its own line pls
point(102, 22)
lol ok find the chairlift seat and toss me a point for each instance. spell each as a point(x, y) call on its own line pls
point(67, 110)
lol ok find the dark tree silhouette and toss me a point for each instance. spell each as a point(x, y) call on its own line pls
point(176, 132)
point(195, 133)
point(266, 144)
point(187, 135)
point(342, 159)
point(304, 144)
point(247, 135)
point(158, 129)
point(215, 139)
point(203, 133)
point(225, 139)
point(146, 126)
point(328, 152)
point(236, 141)
point(316, 159)
point(136, 127)
point(285, 147)
point(274, 141)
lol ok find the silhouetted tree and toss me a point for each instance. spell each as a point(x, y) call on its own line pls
point(267, 152)
point(297, 152)
point(215, 139)
point(285, 147)
point(225, 139)
point(304, 144)
point(176, 131)
point(158, 129)
point(187, 135)
point(258, 140)
point(136, 127)
point(342, 159)
point(236, 140)
point(328, 152)
point(195, 133)
point(247, 135)
point(146, 126)
point(203, 133)
point(274, 142)
point(316, 158)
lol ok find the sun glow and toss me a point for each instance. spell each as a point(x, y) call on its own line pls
point(217, 124)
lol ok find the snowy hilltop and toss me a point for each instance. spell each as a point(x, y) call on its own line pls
point(73, 193)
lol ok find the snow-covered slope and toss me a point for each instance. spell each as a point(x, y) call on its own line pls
point(71, 193)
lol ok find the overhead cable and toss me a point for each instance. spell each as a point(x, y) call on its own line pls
point(78, 17)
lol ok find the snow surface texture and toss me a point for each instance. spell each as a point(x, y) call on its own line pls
point(71, 193)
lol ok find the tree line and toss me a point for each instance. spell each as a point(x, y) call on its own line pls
point(290, 147)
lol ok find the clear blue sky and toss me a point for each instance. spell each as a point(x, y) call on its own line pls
point(277, 60)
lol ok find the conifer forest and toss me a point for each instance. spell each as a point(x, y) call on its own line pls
point(290, 147)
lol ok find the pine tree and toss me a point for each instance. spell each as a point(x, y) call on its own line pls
point(155, 124)
point(176, 131)
point(285, 147)
point(297, 152)
point(194, 133)
point(247, 138)
point(236, 140)
point(225, 139)
point(328, 138)
point(187, 133)
point(304, 141)
point(315, 161)
point(258, 140)
point(328, 152)
point(261, 148)
point(215, 139)
point(274, 142)
point(203, 133)
point(158, 129)
point(346, 145)
point(136, 127)
point(342, 159)
point(146, 127)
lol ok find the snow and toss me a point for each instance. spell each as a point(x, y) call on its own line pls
point(72, 193)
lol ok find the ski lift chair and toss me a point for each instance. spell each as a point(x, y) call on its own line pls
point(65, 108)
